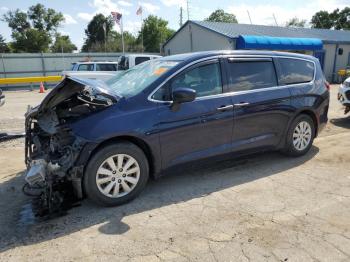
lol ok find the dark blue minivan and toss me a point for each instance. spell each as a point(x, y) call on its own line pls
point(107, 139)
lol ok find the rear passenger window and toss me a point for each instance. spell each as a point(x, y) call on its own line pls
point(295, 71)
point(250, 75)
point(140, 59)
point(86, 67)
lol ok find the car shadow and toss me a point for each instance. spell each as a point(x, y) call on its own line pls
point(18, 226)
point(341, 122)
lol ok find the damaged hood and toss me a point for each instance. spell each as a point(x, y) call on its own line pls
point(70, 86)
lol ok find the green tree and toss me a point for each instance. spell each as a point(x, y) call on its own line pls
point(155, 32)
point(343, 19)
point(114, 43)
point(296, 22)
point(338, 19)
point(31, 41)
point(62, 44)
point(322, 19)
point(33, 31)
point(97, 31)
point(17, 21)
point(220, 15)
point(4, 48)
point(44, 19)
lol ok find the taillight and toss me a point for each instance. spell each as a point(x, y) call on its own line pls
point(328, 86)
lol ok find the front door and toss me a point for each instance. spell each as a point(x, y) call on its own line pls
point(261, 107)
point(200, 128)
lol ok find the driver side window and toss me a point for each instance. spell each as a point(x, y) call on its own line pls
point(205, 79)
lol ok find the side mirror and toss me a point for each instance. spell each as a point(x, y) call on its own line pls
point(182, 95)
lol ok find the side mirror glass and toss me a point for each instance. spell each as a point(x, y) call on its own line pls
point(183, 95)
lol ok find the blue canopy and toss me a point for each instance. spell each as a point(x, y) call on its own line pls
point(278, 43)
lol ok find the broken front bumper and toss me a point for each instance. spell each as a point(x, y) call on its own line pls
point(36, 173)
point(57, 161)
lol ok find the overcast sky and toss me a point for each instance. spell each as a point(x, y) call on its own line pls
point(79, 12)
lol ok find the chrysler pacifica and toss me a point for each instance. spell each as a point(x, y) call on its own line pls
point(107, 138)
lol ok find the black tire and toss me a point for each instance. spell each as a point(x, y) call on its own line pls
point(290, 149)
point(89, 182)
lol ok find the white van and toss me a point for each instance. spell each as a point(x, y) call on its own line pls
point(94, 66)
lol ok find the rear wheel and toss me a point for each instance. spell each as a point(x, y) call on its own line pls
point(116, 174)
point(300, 136)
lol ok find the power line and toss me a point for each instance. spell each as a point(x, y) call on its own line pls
point(339, 23)
point(275, 19)
point(319, 21)
point(249, 18)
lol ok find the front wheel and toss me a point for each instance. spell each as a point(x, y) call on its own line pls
point(300, 136)
point(116, 174)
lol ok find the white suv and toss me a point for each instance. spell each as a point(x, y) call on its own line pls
point(93, 70)
point(94, 66)
point(344, 94)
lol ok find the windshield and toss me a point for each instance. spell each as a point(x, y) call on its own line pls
point(136, 79)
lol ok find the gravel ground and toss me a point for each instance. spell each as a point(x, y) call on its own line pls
point(263, 208)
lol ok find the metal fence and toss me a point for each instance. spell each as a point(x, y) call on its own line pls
point(44, 64)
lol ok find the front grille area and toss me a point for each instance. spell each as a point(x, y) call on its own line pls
point(347, 94)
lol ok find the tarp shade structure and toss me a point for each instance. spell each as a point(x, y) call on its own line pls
point(278, 43)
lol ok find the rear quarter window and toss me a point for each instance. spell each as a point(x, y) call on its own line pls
point(295, 71)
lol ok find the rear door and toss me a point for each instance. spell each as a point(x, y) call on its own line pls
point(261, 107)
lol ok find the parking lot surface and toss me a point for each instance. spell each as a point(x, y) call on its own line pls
point(266, 207)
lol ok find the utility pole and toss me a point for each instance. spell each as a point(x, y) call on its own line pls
point(181, 16)
point(122, 29)
point(142, 32)
point(105, 35)
point(63, 64)
point(188, 10)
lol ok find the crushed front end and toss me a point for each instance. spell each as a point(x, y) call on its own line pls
point(52, 149)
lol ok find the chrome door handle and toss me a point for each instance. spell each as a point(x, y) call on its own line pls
point(225, 108)
point(241, 104)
